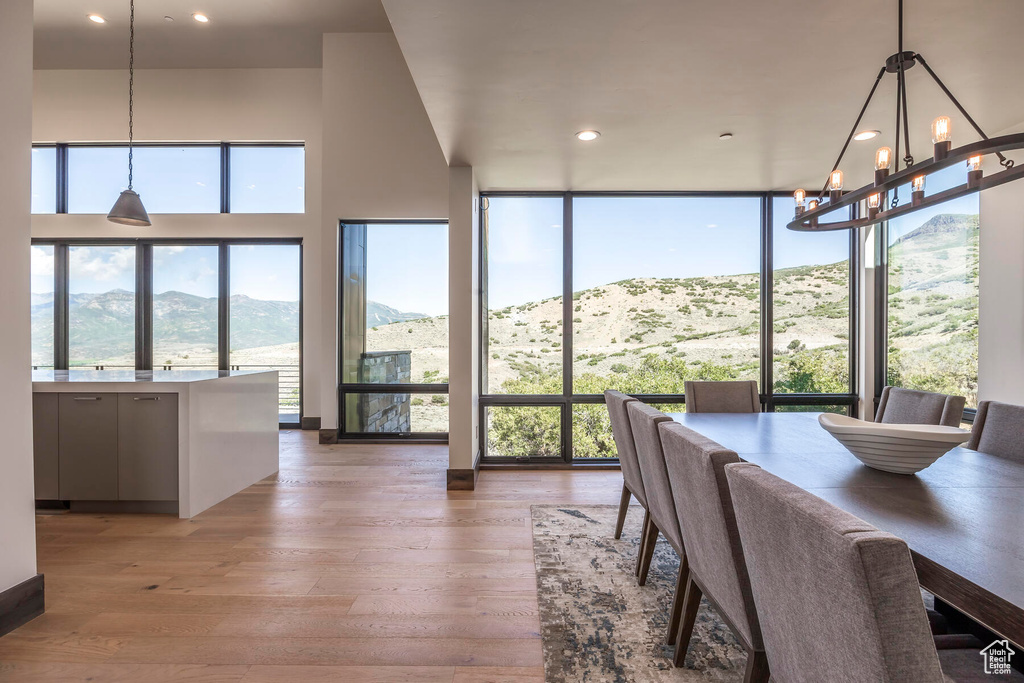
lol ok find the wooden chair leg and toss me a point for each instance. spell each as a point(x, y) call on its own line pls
point(677, 599)
point(757, 668)
point(691, 603)
point(623, 509)
point(643, 541)
point(650, 541)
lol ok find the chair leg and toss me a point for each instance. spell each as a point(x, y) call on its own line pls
point(623, 509)
point(677, 599)
point(650, 541)
point(643, 541)
point(691, 603)
point(757, 668)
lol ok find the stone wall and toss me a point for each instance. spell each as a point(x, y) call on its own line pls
point(386, 413)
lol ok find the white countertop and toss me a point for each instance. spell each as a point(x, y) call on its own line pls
point(136, 376)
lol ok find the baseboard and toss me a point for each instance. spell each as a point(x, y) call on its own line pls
point(328, 436)
point(464, 479)
point(21, 604)
point(310, 423)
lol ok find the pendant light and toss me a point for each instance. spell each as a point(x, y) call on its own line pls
point(128, 209)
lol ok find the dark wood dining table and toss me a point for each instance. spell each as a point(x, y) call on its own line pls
point(963, 517)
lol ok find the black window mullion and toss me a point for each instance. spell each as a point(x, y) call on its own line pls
point(62, 178)
point(767, 298)
point(224, 307)
point(567, 313)
point(225, 177)
point(144, 306)
point(60, 306)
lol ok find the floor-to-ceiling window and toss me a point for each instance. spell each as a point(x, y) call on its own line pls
point(640, 293)
point(931, 321)
point(101, 306)
point(43, 287)
point(185, 306)
point(394, 330)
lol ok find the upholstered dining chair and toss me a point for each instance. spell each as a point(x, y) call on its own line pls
point(644, 421)
point(722, 397)
point(910, 406)
point(998, 430)
point(632, 483)
point(716, 567)
point(837, 599)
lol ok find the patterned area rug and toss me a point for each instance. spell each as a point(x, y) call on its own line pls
point(597, 623)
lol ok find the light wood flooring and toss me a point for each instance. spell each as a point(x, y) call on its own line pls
point(352, 564)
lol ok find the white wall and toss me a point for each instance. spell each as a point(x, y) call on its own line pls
point(18, 527)
point(1001, 290)
point(380, 160)
point(463, 320)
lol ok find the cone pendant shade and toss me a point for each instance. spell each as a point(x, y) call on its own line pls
point(128, 210)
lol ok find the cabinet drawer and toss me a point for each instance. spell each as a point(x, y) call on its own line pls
point(45, 446)
point(88, 446)
point(147, 437)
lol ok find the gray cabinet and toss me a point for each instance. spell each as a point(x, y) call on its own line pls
point(45, 445)
point(147, 443)
point(88, 446)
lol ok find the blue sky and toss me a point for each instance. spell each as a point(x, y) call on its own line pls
point(407, 266)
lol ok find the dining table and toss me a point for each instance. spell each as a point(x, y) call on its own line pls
point(962, 517)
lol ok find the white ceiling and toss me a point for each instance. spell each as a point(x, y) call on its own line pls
point(241, 33)
point(507, 83)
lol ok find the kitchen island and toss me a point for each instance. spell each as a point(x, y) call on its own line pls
point(174, 441)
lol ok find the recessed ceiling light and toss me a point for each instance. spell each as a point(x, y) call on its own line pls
point(97, 19)
point(725, 136)
point(588, 135)
point(866, 134)
point(201, 18)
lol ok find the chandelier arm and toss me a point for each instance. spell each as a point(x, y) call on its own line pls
point(909, 157)
point(956, 102)
point(853, 131)
point(896, 155)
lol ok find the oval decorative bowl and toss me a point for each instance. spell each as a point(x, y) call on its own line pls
point(899, 448)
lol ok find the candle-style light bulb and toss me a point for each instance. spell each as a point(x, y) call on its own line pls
point(917, 196)
point(799, 197)
point(974, 171)
point(835, 186)
point(873, 200)
point(942, 136)
point(883, 159)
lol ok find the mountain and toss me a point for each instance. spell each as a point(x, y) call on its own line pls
point(942, 224)
point(380, 314)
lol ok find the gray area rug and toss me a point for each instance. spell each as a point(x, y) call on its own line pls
point(597, 624)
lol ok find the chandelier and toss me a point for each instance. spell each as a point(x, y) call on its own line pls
point(888, 176)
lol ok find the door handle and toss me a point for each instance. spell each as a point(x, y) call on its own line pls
point(87, 398)
point(146, 398)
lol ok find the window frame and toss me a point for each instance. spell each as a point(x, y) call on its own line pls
point(144, 295)
point(225, 169)
point(567, 400)
point(352, 388)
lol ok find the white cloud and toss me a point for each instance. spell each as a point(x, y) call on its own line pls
point(42, 262)
point(102, 264)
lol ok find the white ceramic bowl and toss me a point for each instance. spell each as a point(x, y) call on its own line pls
point(899, 448)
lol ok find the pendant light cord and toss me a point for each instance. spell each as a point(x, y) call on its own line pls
point(131, 88)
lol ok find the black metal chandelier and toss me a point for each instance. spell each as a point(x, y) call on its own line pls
point(888, 176)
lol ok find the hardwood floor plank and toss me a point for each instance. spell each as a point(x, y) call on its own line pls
point(50, 672)
point(362, 674)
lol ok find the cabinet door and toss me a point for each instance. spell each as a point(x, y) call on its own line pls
point(147, 440)
point(88, 446)
point(44, 445)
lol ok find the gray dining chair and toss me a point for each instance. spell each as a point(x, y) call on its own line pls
point(644, 421)
point(714, 556)
point(910, 406)
point(722, 397)
point(837, 599)
point(632, 483)
point(998, 430)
